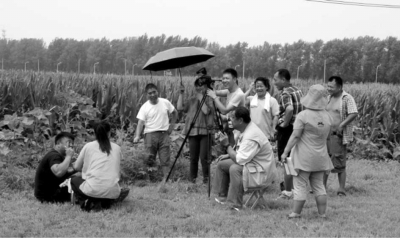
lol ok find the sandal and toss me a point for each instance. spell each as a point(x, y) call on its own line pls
point(293, 215)
point(341, 193)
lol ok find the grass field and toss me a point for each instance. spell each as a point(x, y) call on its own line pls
point(371, 208)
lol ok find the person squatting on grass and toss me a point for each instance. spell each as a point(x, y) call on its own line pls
point(199, 138)
point(289, 106)
point(251, 146)
point(53, 170)
point(343, 110)
point(154, 116)
point(309, 150)
point(264, 109)
point(100, 163)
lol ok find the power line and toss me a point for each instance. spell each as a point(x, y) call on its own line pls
point(359, 4)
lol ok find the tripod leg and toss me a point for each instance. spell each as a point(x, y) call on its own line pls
point(209, 162)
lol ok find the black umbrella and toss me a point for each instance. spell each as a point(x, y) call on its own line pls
point(177, 58)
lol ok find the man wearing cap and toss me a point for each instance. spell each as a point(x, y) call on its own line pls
point(343, 110)
point(309, 150)
point(289, 107)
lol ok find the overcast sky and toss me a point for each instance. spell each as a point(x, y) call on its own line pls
point(222, 21)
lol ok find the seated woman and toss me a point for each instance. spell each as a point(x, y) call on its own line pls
point(99, 162)
point(264, 109)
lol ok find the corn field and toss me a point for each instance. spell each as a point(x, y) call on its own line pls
point(378, 122)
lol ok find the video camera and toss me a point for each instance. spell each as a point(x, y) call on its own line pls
point(205, 79)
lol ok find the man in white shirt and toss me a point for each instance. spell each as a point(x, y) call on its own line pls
point(154, 116)
point(252, 146)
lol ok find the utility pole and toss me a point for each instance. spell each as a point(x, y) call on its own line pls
point(324, 70)
point(244, 51)
point(125, 65)
point(38, 69)
point(58, 65)
point(79, 65)
point(94, 67)
point(133, 69)
point(298, 68)
point(376, 74)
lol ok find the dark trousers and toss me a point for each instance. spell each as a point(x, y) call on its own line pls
point(199, 147)
point(229, 181)
point(282, 138)
point(76, 182)
point(61, 195)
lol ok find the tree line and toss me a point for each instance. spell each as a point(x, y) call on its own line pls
point(356, 60)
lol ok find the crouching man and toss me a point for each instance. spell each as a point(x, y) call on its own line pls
point(251, 146)
point(53, 170)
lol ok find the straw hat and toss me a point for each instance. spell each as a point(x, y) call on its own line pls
point(316, 98)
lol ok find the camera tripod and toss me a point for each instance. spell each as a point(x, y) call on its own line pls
point(218, 121)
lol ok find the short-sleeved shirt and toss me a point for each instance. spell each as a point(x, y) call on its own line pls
point(263, 118)
point(311, 153)
point(100, 171)
point(290, 96)
point(46, 182)
point(155, 117)
point(235, 98)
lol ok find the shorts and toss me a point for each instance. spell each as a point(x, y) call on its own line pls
point(160, 142)
point(338, 153)
point(300, 182)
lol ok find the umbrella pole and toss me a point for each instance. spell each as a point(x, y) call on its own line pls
point(180, 75)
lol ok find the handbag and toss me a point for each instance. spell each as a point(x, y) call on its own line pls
point(254, 176)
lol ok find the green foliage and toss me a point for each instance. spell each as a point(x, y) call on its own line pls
point(355, 58)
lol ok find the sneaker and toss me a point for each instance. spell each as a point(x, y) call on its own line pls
point(285, 195)
point(235, 208)
point(123, 194)
point(293, 215)
point(221, 200)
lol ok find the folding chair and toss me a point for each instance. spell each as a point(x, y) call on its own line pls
point(258, 194)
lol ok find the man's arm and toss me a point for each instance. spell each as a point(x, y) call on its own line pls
point(288, 116)
point(138, 132)
point(347, 121)
point(60, 170)
point(222, 93)
point(224, 110)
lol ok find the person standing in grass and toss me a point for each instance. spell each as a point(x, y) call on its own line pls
point(252, 146)
point(264, 109)
point(289, 107)
point(309, 150)
point(53, 170)
point(234, 95)
point(199, 137)
point(343, 109)
point(154, 116)
point(100, 164)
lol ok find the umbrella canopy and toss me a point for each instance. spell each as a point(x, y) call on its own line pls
point(177, 58)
